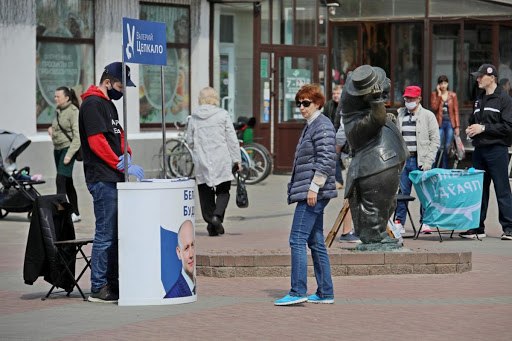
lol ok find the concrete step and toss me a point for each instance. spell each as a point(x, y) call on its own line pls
point(344, 262)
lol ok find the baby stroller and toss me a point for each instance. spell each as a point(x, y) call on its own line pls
point(17, 192)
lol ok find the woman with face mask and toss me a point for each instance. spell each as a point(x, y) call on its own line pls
point(66, 143)
point(446, 108)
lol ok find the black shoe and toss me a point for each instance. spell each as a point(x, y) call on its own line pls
point(211, 230)
point(473, 234)
point(506, 235)
point(217, 223)
point(105, 295)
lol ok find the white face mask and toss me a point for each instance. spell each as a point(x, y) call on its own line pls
point(411, 105)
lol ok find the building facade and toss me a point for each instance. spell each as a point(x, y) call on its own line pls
point(255, 53)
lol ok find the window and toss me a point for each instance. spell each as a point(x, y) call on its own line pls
point(226, 29)
point(65, 51)
point(505, 57)
point(376, 45)
point(445, 54)
point(345, 47)
point(477, 51)
point(409, 60)
point(365, 9)
point(176, 72)
point(298, 22)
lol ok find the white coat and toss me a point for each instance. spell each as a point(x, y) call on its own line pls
point(214, 144)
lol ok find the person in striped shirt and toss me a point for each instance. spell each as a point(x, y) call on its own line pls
point(420, 131)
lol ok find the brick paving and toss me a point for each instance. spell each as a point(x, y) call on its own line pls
point(473, 305)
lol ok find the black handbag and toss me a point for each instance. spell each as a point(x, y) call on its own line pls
point(78, 154)
point(242, 200)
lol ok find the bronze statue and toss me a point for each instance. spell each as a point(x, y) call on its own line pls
point(379, 153)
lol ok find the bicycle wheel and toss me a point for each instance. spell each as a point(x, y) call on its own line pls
point(260, 165)
point(180, 161)
point(169, 145)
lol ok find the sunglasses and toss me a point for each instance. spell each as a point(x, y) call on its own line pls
point(303, 103)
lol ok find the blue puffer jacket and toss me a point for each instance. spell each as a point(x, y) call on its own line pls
point(315, 153)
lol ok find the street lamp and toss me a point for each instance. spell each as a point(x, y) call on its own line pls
point(331, 5)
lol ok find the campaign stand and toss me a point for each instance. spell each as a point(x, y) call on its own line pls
point(150, 214)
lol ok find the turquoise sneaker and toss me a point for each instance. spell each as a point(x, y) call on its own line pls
point(316, 299)
point(289, 300)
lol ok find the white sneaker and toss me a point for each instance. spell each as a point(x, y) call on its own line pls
point(426, 229)
point(399, 226)
point(75, 218)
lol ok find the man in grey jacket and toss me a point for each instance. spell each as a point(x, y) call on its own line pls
point(420, 131)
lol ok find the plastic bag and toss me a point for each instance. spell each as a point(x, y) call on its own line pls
point(242, 199)
point(460, 151)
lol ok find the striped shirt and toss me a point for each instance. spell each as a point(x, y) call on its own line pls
point(409, 131)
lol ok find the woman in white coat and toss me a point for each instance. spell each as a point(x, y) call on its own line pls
point(216, 151)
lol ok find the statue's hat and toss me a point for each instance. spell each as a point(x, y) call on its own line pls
point(363, 78)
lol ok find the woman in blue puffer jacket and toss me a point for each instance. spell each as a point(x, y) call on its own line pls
point(312, 186)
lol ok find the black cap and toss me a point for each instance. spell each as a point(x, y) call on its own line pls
point(486, 69)
point(116, 69)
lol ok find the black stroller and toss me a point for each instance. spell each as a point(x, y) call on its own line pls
point(17, 192)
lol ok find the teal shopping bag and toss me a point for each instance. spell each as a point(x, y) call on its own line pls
point(451, 197)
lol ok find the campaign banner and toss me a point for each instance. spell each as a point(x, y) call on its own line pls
point(451, 198)
point(144, 42)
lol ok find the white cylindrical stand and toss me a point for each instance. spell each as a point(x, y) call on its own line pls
point(150, 214)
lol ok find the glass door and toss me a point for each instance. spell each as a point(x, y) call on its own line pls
point(293, 70)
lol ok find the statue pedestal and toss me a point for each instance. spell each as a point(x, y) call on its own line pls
point(382, 247)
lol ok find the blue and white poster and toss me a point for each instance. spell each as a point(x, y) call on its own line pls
point(144, 42)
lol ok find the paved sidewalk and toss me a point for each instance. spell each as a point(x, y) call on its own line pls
point(475, 305)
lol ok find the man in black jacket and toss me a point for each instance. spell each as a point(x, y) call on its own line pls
point(490, 128)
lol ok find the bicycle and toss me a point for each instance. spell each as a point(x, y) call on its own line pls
point(256, 160)
point(179, 160)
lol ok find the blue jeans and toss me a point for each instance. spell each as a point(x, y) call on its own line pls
point(308, 229)
point(446, 137)
point(494, 161)
point(104, 266)
point(405, 187)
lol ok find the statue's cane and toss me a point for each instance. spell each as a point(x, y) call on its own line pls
point(337, 224)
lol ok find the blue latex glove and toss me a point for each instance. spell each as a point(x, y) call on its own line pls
point(136, 171)
point(120, 164)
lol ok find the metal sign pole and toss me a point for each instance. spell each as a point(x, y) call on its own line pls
point(164, 160)
point(125, 124)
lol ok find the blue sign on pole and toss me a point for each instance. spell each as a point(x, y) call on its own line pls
point(144, 42)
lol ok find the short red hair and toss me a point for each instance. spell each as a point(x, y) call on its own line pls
point(312, 92)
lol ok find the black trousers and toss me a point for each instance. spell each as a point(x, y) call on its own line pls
point(494, 161)
point(214, 200)
point(372, 202)
point(65, 186)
